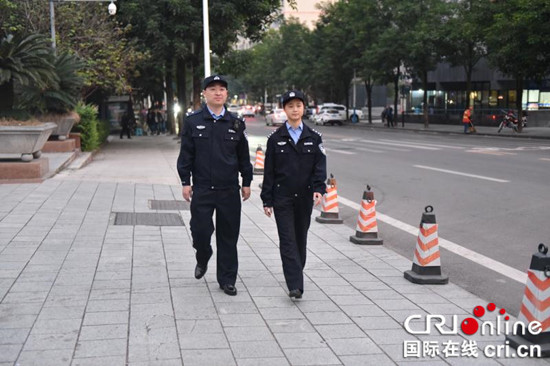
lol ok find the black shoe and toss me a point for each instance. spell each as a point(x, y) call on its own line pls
point(200, 271)
point(297, 294)
point(229, 289)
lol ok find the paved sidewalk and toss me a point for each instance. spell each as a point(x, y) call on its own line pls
point(75, 289)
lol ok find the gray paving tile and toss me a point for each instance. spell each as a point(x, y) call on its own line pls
point(353, 346)
point(203, 341)
point(241, 334)
point(363, 310)
point(278, 361)
point(328, 317)
point(37, 342)
point(51, 326)
point(10, 352)
point(58, 357)
point(290, 326)
point(236, 308)
point(106, 317)
point(62, 312)
point(241, 320)
point(96, 361)
point(311, 356)
point(99, 332)
point(362, 360)
point(340, 331)
point(217, 357)
point(299, 340)
point(256, 349)
point(281, 313)
point(172, 362)
point(341, 300)
point(199, 326)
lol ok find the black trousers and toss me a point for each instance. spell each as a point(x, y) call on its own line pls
point(293, 216)
point(227, 204)
point(125, 129)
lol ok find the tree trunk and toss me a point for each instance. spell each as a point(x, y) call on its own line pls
point(181, 85)
point(519, 97)
point(368, 87)
point(468, 69)
point(197, 75)
point(425, 98)
point(395, 97)
point(7, 96)
point(169, 77)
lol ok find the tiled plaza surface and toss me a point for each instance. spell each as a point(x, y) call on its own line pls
point(75, 289)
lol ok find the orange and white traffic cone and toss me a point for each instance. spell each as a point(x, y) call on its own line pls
point(259, 162)
point(426, 268)
point(329, 205)
point(366, 231)
point(536, 304)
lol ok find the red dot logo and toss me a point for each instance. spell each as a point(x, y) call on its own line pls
point(469, 326)
point(479, 311)
point(491, 307)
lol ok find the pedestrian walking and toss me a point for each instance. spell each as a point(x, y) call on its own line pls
point(294, 179)
point(152, 120)
point(214, 149)
point(389, 116)
point(161, 122)
point(383, 117)
point(125, 123)
point(467, 118)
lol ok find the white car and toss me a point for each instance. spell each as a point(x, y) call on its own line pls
point(234, 108)
point(339, 108)
point(358, 112)
point(276, 117)
point(328, 116)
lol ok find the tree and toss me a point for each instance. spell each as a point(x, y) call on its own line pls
point(424, 34)
point(517, 42)
point(24, 60)
point(465, 37)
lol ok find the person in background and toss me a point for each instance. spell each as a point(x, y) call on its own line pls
point(125, 123)
point(467, 118)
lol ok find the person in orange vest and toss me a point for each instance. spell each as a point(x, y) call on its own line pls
point(467, 118)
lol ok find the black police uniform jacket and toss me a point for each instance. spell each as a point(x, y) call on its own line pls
point(214, 152)
point(293, 170)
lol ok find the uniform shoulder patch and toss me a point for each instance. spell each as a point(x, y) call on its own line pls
point(317, 132)
point(194, 112)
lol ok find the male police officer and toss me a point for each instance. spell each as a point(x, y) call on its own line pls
point(214, 149)
point(294, 176)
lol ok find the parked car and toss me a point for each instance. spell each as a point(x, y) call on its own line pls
point(328, 116)
point(276, 117)
point(246, 111)
point(338, 108)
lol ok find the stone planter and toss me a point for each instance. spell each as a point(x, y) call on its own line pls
point(64, 124)
point(26, 140)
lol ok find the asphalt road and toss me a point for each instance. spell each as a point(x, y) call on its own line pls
point(490, 195)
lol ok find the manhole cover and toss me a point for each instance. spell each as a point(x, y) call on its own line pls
point(168, 205)
point(148, 219)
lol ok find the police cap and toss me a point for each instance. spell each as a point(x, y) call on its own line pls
point(293, 94)
point(213, 79)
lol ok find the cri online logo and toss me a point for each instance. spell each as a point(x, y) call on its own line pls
point(470, 326)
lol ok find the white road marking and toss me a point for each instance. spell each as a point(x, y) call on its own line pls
point(463, 174)
point(545, 159)
point(340, 151)
point(428, 144)
point(400, 144)
point(475, 257)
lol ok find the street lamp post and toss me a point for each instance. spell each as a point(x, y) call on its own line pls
point(111, 8)
point(206, 35)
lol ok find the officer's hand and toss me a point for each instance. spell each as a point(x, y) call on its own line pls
point(317, 197)
point(187, 193)
point(268, 211)
point(245, 193)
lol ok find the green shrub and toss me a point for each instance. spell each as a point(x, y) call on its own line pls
point(103, 129)
point(88, 127)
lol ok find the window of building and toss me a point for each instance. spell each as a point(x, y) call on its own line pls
point(544, 100)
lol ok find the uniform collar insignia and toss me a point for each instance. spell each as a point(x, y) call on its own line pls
point(201, 127)
point(281, 143)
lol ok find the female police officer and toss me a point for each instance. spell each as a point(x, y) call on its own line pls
point(294, 177)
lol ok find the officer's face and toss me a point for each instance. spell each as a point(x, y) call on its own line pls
point(294, 110)
point(215, 95)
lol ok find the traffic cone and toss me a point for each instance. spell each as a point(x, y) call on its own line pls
point(426, 268)
point(259, 162)
point(536, 304)
point(329, 205)
point(366, 231)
